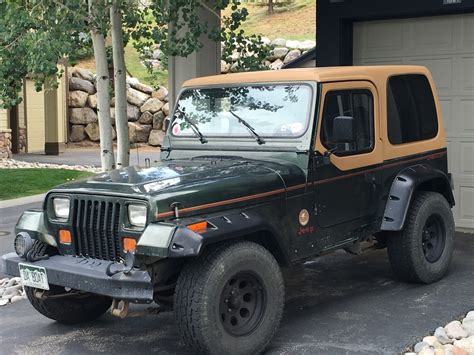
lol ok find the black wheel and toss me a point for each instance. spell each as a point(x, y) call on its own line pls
point(230, 300)
point(74, 309)
point(422, 252)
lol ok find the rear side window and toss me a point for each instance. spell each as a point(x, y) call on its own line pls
point(411, 110)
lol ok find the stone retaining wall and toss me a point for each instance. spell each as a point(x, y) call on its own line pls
point(147, 109)
point(5, 143)
point(22, 139)
point(282, 53)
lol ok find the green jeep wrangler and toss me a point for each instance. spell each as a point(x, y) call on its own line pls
point(258, 171)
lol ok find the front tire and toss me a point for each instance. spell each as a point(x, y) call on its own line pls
point(422, 251)
point(230, 300)
point(69, 310)
point(66, 310)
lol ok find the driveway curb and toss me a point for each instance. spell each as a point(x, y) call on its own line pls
point(21, 201)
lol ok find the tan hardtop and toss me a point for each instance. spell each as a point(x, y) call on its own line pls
point(375, 74)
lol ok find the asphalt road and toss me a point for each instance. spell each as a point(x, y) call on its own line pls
point(337, 304)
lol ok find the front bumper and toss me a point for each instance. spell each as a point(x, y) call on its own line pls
point(88, 275)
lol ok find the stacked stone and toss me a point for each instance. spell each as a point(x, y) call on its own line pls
point(5, 143)
point(147, 109)
point(456, 338)
point(11, 291)
point(282, 53)
point(22, 139)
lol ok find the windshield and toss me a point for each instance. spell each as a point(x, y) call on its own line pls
point(280, 110)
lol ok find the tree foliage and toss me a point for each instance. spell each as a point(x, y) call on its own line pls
point(36, 34)
point(177, 28)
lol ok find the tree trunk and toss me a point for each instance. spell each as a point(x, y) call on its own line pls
point(121, 120)
point(270, 7)
point(103, 97)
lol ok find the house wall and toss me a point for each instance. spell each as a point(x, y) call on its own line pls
point(35, 113)
point(3, 119)
point(5, 135)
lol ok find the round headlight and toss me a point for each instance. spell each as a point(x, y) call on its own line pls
point(22, 244)
point(137, 215)
point(61, 207)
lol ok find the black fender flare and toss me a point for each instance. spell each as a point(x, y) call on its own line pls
point(229, 226)
point(403, 187)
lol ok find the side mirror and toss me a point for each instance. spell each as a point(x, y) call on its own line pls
point(343, 129)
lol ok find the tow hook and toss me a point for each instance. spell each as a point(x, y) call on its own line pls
point(119, 308)
point(126, 266)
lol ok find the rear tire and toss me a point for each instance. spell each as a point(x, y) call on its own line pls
point(422, 251)
point(230, 300)
point(67, 310)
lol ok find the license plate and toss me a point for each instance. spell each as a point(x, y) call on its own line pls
point(34, 276)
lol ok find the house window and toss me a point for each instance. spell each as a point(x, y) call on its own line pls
point(357, 104)
point(411, 110)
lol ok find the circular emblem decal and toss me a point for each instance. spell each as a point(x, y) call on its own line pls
point(304, 217)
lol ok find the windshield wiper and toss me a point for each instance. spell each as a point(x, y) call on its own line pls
point(252, 131)
point(194, 127)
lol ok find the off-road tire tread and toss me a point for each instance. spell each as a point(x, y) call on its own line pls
point(187, 295)
point(63, 310)
point(400, 243)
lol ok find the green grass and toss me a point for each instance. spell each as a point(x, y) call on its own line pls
point(138, 70)
point(26, 182)
point(295, 20)
point(134, 67)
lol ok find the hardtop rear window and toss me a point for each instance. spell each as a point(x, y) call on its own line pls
point(411, 109)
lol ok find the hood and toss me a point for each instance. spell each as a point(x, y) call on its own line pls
point(193, 182)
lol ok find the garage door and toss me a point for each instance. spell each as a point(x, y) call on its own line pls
point(446, 46)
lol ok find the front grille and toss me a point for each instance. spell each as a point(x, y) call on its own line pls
point(96, 227)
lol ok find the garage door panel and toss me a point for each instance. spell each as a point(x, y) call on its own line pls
point(467, 159)
point(444, 44)
point(468, 74)
point(466, 206)
point(380, 61)
point(442, 70)
point(381, 37)
point(432, 34)
point(467, 118)
point(446, 108)
point(467, 32)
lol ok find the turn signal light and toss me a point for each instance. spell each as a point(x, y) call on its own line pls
point(65, 237)
point(198, 227)
point(130, 245)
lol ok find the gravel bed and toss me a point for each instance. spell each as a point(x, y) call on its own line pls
point(456, 338)
point(11, 290)
point(17, 164)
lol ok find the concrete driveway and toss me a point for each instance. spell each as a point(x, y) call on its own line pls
point(337, 304)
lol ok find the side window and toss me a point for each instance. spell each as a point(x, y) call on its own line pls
point(411, 109)
point(355, 104)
